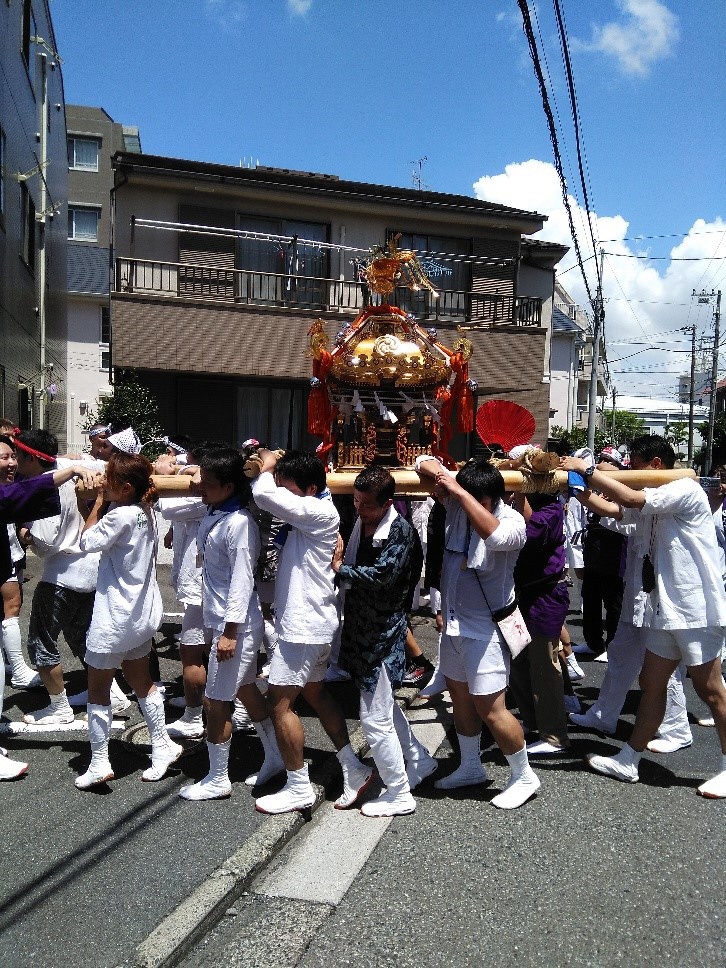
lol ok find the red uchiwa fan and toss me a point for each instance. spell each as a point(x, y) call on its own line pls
point(505, 423)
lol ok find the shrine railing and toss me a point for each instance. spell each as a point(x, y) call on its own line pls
point(249, 287)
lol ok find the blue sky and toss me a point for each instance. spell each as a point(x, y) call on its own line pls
point(365, 88)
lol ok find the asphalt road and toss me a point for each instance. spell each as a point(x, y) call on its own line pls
point(591, 872)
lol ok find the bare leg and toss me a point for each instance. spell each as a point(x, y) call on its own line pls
point(219, 720)
point(708, 683)
point(328, 712)
point(504, 727)
point(288, 728)
point(194, 674)
point(654, 682)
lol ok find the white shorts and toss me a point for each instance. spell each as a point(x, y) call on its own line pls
point(693, 646)
point(298, 663)
point(225, 678)
point(192, 630)
point(481, 663)
point(113, 660)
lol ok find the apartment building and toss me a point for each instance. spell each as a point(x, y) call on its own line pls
point(93, 137)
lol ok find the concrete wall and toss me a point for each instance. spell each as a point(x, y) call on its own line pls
point(20, 284)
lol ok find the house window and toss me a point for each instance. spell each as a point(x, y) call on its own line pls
point(83, 224)
point(27, 217)
point(83, 154)
point(105, 325)
point(28, 30)
point(104, 339)
point(291, 273)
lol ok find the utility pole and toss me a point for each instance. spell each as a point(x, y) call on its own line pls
point(597, 330)
point(612, 432)
point(714, 381)
point(692, 394)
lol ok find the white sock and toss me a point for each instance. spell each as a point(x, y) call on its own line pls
point(99, 732)
point(470, 755)
point(13, 646)
point(298, 781)
point(153, 711)
point(60, 702)
point(219, 761)
point(346, 757)
point(518, 764)
point(628, 756)
point(193, 714)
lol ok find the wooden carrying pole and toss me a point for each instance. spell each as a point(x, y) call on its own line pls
point(409, 484)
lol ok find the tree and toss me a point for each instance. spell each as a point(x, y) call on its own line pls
point(627, 427)
point(719, 442)
point(130, 405)
point(677, 434)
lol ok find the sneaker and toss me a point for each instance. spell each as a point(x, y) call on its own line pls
point(574, 669)
point(49, 716)
point(417, 770)
point(540, 747)
point(611, 766)
point(582, 648)
point(664, 745)
point(463, 776)
point(355, 783)
point(287, 800)
point(29, 680)
point(207, 789)
point(79, 699)
point(416, 671)
point(161, 759)
point(715, 788)
point(517, 792)
point(271, 767)
point(589, 721)
point(389, 804)
point(95, 774)
point(706, 721)
point(119, 704)
point(10, 769)
point(186, 728)
point(572, 704)
point(603, 657)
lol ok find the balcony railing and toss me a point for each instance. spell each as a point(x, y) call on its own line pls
point(248, 287)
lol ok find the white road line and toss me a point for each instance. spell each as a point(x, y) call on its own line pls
point(321, 864)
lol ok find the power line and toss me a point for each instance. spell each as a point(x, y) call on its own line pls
point(532, 43)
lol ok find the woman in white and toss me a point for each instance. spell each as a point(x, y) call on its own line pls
point(126, 614)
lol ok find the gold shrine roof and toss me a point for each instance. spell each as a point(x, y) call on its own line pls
point(385, 347)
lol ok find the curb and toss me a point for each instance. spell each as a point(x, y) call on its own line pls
point(195, 917)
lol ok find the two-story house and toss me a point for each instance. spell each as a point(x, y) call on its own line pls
point(33, 180)
point(220, 271)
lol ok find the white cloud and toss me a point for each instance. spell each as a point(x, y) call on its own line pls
point(643, 297)
point(227, 14)
point(299, 7)
point(648, 33)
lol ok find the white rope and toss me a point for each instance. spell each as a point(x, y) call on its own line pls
point(147, 223)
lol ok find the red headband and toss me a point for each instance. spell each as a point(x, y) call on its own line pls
point(34, 453)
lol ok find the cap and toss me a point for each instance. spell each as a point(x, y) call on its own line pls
point(126, 440)
point(613, 455)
